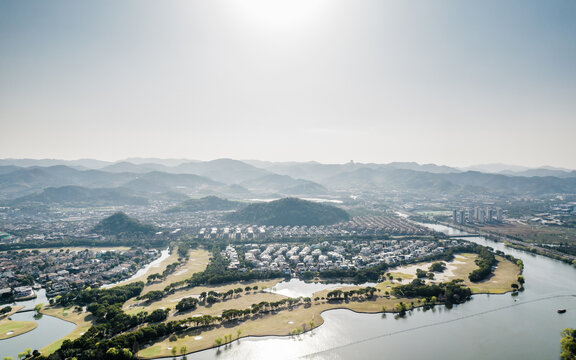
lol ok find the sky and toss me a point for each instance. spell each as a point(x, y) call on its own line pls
point(445, 82)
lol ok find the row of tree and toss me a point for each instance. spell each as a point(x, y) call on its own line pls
point(362, 293)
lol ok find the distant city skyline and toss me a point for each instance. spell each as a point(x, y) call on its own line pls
point(445, 82)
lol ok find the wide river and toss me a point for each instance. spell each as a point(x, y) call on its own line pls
point(487, 327)
point(526, 326)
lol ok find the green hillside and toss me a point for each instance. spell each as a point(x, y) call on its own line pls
point(289, 211)
point(121, 224)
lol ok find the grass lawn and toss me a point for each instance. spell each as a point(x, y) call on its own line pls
point(197, 262)
point(245, 299)
point(82, 320)
point(9, 328)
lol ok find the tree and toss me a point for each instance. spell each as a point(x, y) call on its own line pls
point(174, 351)
point(25, 353)
point(437, 267)
point(5, 310)
point(183, 350)
point(568, 344)
point(420, 273)
point(218, 342)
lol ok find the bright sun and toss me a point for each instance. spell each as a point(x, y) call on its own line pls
point(281, 13)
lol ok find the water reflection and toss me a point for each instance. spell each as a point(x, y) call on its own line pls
point(296, 287)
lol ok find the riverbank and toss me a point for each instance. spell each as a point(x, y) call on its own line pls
point(81, 319)
point(302, 318)
point(513, 242)
point(10, 328)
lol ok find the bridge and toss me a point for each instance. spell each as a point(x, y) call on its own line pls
point(24, 310)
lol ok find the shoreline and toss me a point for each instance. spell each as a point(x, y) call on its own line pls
point(5, 319)
point(320, 323)
point(82, 325)
point(301, 316)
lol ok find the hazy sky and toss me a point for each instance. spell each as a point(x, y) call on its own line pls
point(449, 82)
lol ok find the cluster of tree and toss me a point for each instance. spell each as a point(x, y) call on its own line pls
point(188, 303)
point(115, 295)
point(438, 266)
point(568, 344)
point(151, 296)
point(420, 274)
point(452, 292)
point(109, 338)
point(338, 295)
point(212, 296)
point(485, 261)
point(5, 310)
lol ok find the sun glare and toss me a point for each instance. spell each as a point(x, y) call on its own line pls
point(281, 13)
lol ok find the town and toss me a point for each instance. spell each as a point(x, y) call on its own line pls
point(59, 271)
point(294, 260)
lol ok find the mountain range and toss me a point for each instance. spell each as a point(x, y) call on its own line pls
point(147, 179)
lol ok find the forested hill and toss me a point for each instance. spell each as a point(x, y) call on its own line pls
point(208, 203)
point(122, 225)
point(289, 211)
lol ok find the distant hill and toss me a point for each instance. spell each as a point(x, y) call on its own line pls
point(121, 224)
point(82, 196)
point(450, 183)
point(208, 203)
point(541, 172)
point(289, 211)
point(223, 170)
point(125, 166)
point(284, 184)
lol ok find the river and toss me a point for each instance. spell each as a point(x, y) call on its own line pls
point(487, 327)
